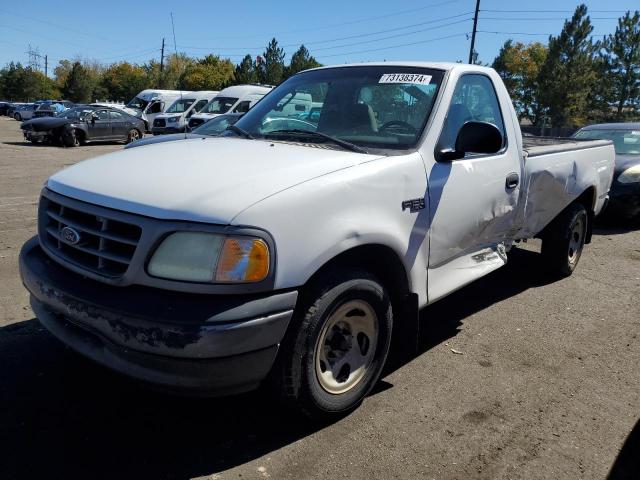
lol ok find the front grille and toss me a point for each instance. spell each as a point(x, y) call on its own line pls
point(159, 122)
point(195, 122)
point(104, 246)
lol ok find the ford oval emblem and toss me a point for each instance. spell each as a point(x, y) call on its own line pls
point(70, 236)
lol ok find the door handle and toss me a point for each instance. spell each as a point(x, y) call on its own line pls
point(512, 181)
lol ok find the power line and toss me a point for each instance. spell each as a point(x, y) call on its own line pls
point(542, 18)
point(396, 46)
point(316, 42)
point(549, 11)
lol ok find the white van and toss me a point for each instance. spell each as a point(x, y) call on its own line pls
point(236, 99)
point(150, 103)
point(176, 117)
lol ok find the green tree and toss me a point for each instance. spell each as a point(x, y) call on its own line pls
point(12, 75)
point(569, 74)
point(519, 66)
point(246, 71)
point(301, 60)
point(210, 73)
point(271, 67)
point(122, 81)
point(78, 86)
point(622, 65)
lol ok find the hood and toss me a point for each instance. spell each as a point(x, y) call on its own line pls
point(45, 123)
point(210, 180)
point(625, 161)
point(163, 138)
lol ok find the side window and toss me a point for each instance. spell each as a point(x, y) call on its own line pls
point(474, 99)
point(243, 107)
point(198, 106)
point(156, 107)
point(115, 116)
point(103, 115)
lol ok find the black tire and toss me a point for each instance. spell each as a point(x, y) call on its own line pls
point(564, 240)
point(295, 376)
point(17, 116)
point(133, 135)
point(72, 138)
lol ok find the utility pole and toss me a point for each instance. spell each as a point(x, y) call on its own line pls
point(473, 35)
point(46, 66)
point(162, 56)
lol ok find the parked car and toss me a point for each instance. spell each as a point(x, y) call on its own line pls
point(84, 124)
point(24, 111)
point(150, 103)
point(13, 107)
point(4, 106)
point(176, 117)
point(51, 108)
point(236, 99)
point(625, 190)
point(213, 128)
point(290, 256)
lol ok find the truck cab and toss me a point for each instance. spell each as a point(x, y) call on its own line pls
point(295, 247)
point(236, 99)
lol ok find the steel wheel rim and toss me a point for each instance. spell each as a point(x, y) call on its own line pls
point(575, 240)
point(346, 346)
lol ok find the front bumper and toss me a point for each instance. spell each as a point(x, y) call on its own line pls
point(214, 344)
point(624, 199)
point(30, 135)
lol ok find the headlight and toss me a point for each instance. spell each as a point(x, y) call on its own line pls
point(173, 119)
point(206, 257)
point(630, 175)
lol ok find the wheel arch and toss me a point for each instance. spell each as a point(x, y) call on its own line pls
point(588, 199)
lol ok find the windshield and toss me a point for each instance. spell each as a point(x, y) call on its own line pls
point(137, 103)
point(626, 142)
point(180, 106)
point(216, 126)
point(219, 105)
point(75, 113)
point(383, 107)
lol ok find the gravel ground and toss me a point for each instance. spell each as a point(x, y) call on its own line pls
point(546, 385)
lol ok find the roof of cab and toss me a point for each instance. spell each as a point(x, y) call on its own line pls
point(447, 66)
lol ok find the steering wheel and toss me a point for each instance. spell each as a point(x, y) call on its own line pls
point(399, 123)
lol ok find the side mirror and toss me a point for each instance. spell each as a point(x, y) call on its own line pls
point(473, 137)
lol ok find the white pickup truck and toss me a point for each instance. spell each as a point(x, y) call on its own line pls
point(287, 256)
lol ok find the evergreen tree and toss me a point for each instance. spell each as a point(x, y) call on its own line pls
point(568, 76)
point(622, 65)
point(271, 68)
point(246, 71)
point(301, 60)
point(78, 86)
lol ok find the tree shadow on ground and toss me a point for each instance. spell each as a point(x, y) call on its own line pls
point(64, 417)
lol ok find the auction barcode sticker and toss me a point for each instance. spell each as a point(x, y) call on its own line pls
point(405, 78)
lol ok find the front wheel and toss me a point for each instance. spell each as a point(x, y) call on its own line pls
point(337, 344)
point(564, 240)
point(133, 135)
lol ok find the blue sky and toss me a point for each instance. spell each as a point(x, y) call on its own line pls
point(334, 31)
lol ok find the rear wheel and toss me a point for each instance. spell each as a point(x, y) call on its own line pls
point(337, 344)
point(17, 116)
point(133, 135)
point(564, 239)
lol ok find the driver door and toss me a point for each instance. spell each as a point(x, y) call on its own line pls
point(472, 201)
point(100, 126)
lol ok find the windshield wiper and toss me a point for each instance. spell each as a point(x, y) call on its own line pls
point(240, 131)
point(337, 141)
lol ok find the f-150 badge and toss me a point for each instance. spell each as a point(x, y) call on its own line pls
point(413, 205)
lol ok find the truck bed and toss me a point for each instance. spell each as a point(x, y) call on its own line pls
point(535, 146)
point(558, 170)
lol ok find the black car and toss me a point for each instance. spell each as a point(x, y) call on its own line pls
point(625, 190)
point(4, 106)
point(211, 128)
point(84, 124)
